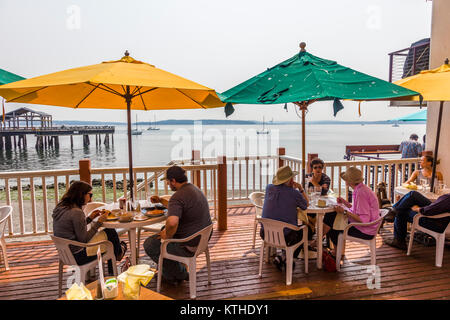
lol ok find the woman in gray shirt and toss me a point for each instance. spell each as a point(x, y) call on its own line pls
point(70, 222)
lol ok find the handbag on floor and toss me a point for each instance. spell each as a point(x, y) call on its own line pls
point(328, 262)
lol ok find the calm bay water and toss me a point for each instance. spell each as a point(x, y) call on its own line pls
point(172, 142)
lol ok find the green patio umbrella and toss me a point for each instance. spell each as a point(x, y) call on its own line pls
point(7, 77)
point(304, 79)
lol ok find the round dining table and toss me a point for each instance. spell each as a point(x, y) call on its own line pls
point(401, 191)
point(131, 228)
point(320, 213)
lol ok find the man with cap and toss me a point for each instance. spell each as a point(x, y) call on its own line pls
point(281, 201)
point(363, 209)
point(188, 213)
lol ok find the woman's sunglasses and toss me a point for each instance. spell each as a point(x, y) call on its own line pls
point(317, 167)
point(90, 194)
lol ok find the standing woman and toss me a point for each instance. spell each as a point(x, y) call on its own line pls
point(70, 222)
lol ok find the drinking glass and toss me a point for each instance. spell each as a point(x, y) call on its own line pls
point(317, 193)
point(424, 184)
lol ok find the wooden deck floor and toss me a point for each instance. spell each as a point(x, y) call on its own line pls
point(33, 271)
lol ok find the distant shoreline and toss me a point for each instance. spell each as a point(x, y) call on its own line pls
point(235, 122)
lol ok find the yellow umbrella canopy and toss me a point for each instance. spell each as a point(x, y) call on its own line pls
point(433, 85)
point(105, 86)
point(122, 84)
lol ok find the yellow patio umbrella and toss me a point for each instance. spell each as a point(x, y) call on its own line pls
point(433, 85)
point(121, 84)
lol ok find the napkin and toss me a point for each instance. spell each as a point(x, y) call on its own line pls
point(138, 273)
point(78, 292)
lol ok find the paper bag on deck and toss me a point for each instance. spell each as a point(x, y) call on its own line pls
point(99, 236)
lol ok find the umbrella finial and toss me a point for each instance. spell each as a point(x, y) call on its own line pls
point(127, 53)
point(302, 46)
point(446, 61)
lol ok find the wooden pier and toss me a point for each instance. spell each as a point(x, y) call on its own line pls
point(19, 123)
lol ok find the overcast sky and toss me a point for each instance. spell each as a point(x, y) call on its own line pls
point(216, 43)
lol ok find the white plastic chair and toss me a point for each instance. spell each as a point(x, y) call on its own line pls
point(344, 237)
point(66, 258)
point(257, 199)
point(190, 262)
point(91, 206)
point(440, 237)
point(5, 213)
point(274, 237)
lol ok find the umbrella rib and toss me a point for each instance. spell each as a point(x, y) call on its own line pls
point(12, 100)
point(136, 89)
point(142, 99)
point(108, 89)
point(87, 95)
point(141, 93)
point(189, 98)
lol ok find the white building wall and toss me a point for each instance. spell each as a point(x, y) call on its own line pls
point(439, 51)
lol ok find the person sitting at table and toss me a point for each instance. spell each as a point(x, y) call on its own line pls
point(426, 164)
point(188, 213)
point(317, 177)
point(70, 222)
point(364, 209)
point(410, 205)
point(282, 198)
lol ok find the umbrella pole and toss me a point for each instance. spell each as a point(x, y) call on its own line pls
point(303, 148)
point(130, 146)
point(436, 146)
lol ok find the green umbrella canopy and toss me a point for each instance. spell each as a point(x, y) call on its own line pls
point(416, 116)
point(7, 77)
point(306, 77)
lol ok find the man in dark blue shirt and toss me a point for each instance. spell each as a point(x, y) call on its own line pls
point(281, 201)
point(410, 205)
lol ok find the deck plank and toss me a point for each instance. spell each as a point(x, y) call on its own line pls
point(33, 270)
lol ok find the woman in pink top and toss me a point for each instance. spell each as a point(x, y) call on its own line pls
point(364, 209)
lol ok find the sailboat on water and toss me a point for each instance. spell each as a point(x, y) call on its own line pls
point(264, 130)
point(136, 132)
point(154, 127)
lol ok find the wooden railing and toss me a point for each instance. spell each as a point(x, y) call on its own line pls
point(33, 194)
point(392, 172)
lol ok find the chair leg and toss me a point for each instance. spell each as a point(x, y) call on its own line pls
point(289, 258)
point(411, 240)
point(305, 251)
point(5, 255)
point(138, 244)
point(261, 259)
point(440, 242)
point(254, 233)
point(208, 263)
point(60, 278)
point(160, 270)
point(339, 251)
point(373, 251)
point(192, 279)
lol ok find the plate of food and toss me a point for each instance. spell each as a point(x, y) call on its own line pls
point(155, 213)
point(140, 217)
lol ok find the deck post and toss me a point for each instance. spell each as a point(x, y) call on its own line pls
point(196, 174)
point(310, 157)
point(85, 170)
point(222, 192)
point(281, 152)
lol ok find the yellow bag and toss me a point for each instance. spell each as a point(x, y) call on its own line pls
point(340, 222)
point(302, 215)
point(99, 236)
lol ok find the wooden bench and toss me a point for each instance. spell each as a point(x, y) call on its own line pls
point(366, 150)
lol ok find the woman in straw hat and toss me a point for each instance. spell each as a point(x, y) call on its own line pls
point(364, 209)
point(281, 201)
